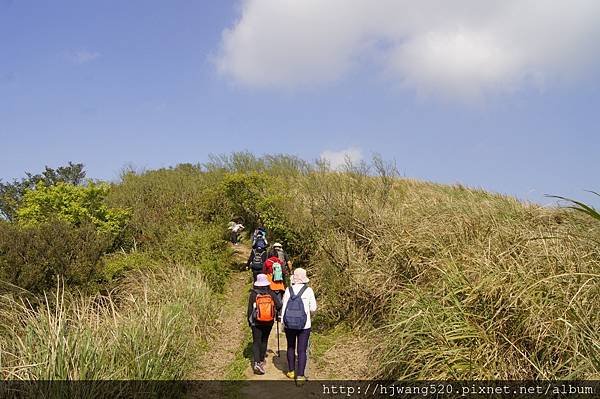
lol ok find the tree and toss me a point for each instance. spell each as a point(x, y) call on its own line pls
point(11, 194)
point(73, 204)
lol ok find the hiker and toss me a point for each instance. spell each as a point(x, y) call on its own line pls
point(256, 261)
point(259, 237)
point(235, 228)
point(262, 307)
point(277, 250)
point(298, 304)
point(276, 273)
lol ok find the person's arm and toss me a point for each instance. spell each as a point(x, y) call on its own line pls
point(251, 300)
point(312, 302)
point(249, 260)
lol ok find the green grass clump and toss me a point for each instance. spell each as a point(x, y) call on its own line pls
point(236, 370)
point(118, 264)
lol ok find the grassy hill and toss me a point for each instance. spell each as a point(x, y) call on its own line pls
point(445, 281)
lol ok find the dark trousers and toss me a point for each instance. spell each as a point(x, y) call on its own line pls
point(297, 340)
point(234, 236)
point(254, 274)
point(260, 337)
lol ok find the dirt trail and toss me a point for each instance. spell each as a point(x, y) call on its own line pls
point(231, 327)
point(276, 366)
point(231, 335)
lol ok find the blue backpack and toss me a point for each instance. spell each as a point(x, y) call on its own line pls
point(295, 315)
point(259, 239)
point(260, 242)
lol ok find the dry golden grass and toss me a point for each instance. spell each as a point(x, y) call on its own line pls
point(457, 283)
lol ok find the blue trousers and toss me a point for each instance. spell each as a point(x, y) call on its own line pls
point(297, 340)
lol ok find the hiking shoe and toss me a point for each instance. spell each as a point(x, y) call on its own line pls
point(291, 374)
point(300, 380)
point(258, 369)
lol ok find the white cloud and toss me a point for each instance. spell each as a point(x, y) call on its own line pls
point(460, 48)
point(83, 57)
point(337, 159)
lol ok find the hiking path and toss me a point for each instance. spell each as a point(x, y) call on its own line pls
point(230, 353)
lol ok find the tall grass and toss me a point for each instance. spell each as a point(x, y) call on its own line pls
point(150, 329)
point(456, 283)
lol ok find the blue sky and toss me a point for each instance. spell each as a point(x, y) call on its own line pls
point(486, 100)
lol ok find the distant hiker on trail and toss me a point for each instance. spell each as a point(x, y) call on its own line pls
point(263, 305)
point(259, 237)
point(298, 304)
point(276, 273)
point(235, 228)
point(277, 250)
point(256, 261)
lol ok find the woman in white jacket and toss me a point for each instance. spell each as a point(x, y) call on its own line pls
point(298, 304)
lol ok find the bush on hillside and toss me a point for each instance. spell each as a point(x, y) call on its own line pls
point(279, 165)
point(33, 257)
point(73, 204)
point(198, 248)
point(11, 194)
point(164, 200)
point(119, 264)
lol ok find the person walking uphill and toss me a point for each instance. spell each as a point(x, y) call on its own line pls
point(236, 228)
point(259, 237)
point(298, 304)
point(256, 261)
point(277, 250)
point(263, 305)
point(277, 274)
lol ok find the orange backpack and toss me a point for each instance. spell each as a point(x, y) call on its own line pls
point(265, 308)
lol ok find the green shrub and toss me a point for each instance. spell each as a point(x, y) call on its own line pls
point(200, 248)
point(119, 263)
point(161, 201)
point(11, 194)
point(73, 204)
point(32, 257)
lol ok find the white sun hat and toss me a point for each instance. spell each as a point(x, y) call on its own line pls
point(261, 280)
point(299, 276)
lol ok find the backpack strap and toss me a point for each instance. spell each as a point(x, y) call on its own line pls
point(292, 296)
